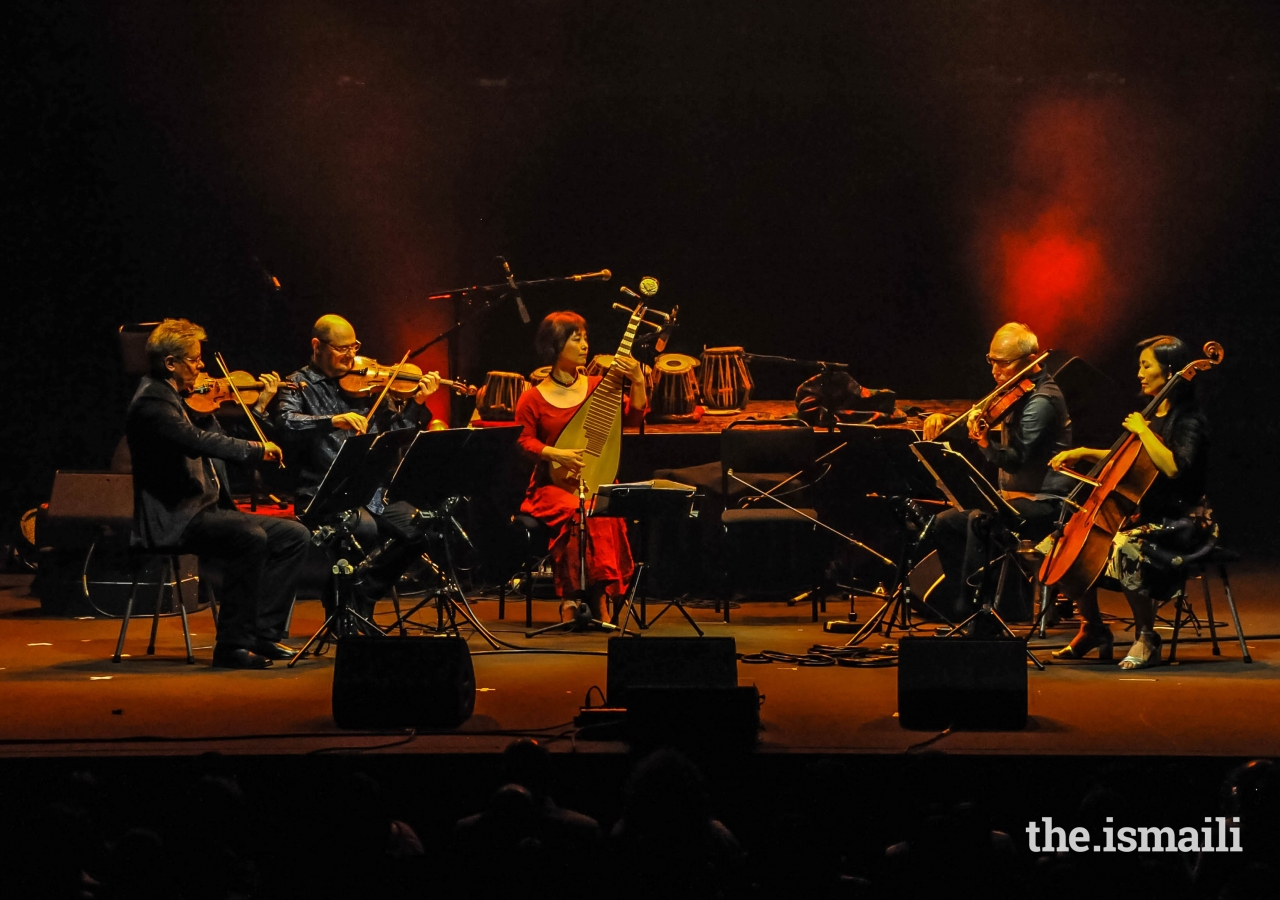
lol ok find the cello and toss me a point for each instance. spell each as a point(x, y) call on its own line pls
point(1121, 478)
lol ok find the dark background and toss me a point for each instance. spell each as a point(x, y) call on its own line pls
point(875, 182)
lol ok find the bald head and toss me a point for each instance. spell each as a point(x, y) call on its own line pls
point(1012, 347)
point(333, 345)
point(333, 330)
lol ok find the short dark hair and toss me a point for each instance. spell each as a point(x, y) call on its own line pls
point(554, 333)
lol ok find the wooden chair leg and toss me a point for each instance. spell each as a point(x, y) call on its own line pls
point(1235, 616)
point(1208, 611)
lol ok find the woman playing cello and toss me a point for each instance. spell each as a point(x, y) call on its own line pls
point(1177, 441)
point(543, 413)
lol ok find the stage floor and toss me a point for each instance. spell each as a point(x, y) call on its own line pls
point(62, 695)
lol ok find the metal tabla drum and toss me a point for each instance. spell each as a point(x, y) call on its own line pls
point(496, 400)
point(726, 381)
point(675, 387)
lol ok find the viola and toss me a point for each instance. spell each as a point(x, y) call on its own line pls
point(992, 409)
point(1120, 480)
point(368, 378)
point(210, 393)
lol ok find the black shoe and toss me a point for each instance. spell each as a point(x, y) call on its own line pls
point(227, 657)
point(272, 650)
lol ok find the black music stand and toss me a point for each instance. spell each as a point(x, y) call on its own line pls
point(879, 463)
point(642, 502)
point(969, 491)
point(440, 468)
point(362, 467)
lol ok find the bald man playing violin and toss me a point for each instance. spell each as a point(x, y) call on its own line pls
point(1037, 427)
point(318, 417)
point(182, 502)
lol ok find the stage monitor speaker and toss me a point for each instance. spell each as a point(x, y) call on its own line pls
point(693, 718)
point(962, 682)
point(669, 662)
point(403, 682)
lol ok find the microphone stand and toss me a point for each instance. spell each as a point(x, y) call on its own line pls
point(582, 619)
point(485, 294)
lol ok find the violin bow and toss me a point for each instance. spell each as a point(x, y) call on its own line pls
point(222, 364)
point(386, 387)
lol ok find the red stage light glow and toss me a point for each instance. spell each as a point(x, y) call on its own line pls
point(1068, 246)
point(1053, 277)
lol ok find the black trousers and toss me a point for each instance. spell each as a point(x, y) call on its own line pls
point(961, 541)
point(393, 539)
point(258, 558)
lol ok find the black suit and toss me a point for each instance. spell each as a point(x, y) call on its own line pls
point(181, 501)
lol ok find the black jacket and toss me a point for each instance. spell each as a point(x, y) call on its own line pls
point(1038, 427)
point(171, 481)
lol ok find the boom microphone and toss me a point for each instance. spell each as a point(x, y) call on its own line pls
point(511, 280)
point(602, 275)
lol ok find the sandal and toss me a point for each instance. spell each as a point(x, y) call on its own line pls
point(1086, 639)
point(1149, 641)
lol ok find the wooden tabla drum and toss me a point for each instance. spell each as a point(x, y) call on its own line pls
point(675, 388)
point(496, 400)
point(540, 374)
point(726, 381)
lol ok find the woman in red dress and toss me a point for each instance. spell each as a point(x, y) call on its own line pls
point(543, 413)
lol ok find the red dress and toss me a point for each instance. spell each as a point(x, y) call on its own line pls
point(608, 552)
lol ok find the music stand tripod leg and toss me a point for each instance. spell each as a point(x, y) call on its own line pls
point(986, 609)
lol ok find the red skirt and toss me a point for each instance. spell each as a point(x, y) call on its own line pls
point(608, 551)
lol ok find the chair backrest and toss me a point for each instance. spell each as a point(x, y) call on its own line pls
point(133, 346)
point(782, 445)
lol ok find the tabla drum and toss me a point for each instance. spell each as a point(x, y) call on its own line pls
point(496, 400)
point(726, 381)
point(675, 388)
point(540, 374)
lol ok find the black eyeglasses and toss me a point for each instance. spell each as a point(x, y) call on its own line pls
point(993, 361)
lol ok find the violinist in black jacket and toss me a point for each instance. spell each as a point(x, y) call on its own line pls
point(1037, 427)
point(182, 502)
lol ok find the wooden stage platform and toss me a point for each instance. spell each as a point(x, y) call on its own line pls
point(62, 696)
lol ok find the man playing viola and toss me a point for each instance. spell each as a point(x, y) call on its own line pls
point(182, 502)
point(1037, 428)
point(319, 417)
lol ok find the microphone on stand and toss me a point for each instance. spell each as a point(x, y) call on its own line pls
point(511, 281)
point(602, 275)
point(664, 334)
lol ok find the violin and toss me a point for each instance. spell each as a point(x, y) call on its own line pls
point(368, 377)
point(210, 393)
point(1119, 480)
point(993, 408)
